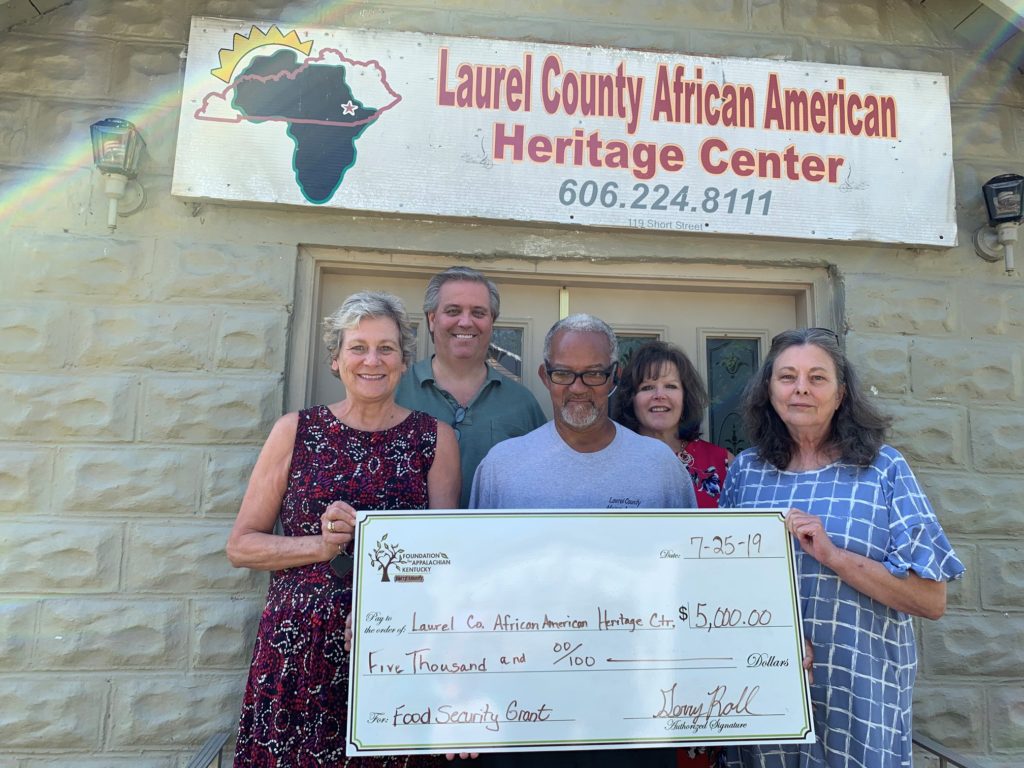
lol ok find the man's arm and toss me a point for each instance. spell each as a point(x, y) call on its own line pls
point(689, 495)
point(480, 495)
point(678, 487)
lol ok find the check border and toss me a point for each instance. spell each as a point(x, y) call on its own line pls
point(364, 739)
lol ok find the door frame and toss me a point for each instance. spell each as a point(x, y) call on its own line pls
point(811, 287)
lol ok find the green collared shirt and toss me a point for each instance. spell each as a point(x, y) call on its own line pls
point(501, 409)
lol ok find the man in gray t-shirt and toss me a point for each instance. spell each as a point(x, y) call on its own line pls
point(543, 470)
point(581, 459)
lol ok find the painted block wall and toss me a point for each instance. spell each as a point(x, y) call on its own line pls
point(140, 371)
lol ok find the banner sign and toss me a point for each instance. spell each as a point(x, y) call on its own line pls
point(526, 630)
point(406, 123)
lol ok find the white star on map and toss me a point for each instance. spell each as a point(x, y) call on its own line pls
point(349, 108)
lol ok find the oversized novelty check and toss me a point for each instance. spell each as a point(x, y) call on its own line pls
point(490, 631)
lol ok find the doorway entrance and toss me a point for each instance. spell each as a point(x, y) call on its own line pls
point(724, 324)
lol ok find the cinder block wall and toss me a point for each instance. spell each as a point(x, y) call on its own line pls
point(139, 372)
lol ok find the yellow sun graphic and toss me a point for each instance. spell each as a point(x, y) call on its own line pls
point(242, 44)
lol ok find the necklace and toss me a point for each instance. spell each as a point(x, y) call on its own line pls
point(684, 455)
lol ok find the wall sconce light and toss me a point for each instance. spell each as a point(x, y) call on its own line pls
point(1004, 199)
point(116, 150)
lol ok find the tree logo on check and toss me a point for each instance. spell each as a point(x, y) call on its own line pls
point(408, 567)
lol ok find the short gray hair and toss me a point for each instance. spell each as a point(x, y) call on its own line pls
point(583, 323)
point(360, 306)
point(431, 297)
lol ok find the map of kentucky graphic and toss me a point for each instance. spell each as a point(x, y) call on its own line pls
point(325, 102)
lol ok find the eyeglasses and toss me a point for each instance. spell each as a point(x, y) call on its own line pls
point(459, 417)
point(566, 378)
point(827, 331)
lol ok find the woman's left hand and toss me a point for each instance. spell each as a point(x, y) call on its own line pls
point(909, 593)
point(337, 527)
point(810, 533)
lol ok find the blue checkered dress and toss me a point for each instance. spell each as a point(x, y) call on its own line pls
point(865, 659)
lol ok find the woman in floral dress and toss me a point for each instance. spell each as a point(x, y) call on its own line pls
point(317, 467)
point(661, 395)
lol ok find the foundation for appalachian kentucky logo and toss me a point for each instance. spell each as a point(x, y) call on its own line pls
point(395, 564)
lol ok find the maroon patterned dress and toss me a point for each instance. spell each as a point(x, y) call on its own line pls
point(296, 699)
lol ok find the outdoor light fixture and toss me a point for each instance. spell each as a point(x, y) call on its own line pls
point(1003, 199)
point(116, 150)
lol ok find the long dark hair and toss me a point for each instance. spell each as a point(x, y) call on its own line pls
point(646, 363)
point(858, 427)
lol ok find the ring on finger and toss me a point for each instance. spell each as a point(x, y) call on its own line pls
point(330, 526)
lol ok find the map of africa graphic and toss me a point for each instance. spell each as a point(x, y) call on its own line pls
point(316, 99)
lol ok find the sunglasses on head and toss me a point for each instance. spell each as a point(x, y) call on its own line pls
point(458, 418)
point(826, 331)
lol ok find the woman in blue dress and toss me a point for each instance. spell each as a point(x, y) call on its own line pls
point(871, 553)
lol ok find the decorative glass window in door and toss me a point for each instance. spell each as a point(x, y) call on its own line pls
point(629, 343)
point(505, 353)
point(731, 363)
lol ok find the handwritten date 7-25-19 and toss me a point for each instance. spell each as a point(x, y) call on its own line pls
point(727, 546)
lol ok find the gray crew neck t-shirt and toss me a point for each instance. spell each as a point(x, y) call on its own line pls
point(540, 471)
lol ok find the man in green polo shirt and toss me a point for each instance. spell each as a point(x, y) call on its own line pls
point(456, 385)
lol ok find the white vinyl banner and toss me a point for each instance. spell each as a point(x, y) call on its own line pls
point(406, 123)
